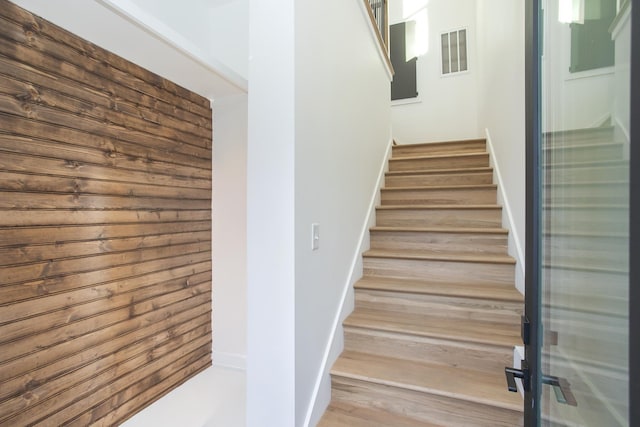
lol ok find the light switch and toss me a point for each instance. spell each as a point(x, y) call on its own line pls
point(315, 236)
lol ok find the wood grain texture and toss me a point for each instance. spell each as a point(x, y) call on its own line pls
point(105, 230)
point(436, 312)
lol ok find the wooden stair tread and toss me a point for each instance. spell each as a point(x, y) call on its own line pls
point(580, 267)
point(443, 143)
point(581, 132)
point(458, 383)
point(498, 292)
point(461, 330)
point(586, 233)
point(570, 206)
point(587, 183)
point(341, 414)
point(589, 164)
point(442, 230)
point(582, 144)
point(441, 171)
point(439, 156)
point(444, 187)
point(437, 256)
point(437, 207)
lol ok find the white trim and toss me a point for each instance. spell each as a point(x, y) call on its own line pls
point(406, 101)
point(146, 22)
point(623, 129)
point(514, 238)
point(626, 143)
point(374, 34)
point(596, 72)
point(624, 16)
point(354, 275)
point(600, 121)
point(229, 360)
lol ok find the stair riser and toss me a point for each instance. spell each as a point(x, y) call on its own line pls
point(479, 196)
point(434, 305)
point(595, 343)
point(588, 194)
point(566, 174)
point(581, 137)
point(596, 252)
point(490, 218)
point(423, 349)
point(579, 281)
point(392, 181)
point(441, 271)
point(473, 146)
point(584, 153)
point(431, 163)
point(590, 200)
point(586, 220)
point(440, 242)
point(422, 406)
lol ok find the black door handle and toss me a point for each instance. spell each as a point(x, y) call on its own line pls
point(561, 386)
point(523, 374)
point(562, 389)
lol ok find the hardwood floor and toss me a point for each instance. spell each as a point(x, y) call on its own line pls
point(436, 312)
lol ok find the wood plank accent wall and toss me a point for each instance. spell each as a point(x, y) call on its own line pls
point(105, 225)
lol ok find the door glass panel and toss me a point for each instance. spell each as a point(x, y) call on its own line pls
point(585, 215)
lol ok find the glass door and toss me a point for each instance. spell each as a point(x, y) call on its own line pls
point(583, 149)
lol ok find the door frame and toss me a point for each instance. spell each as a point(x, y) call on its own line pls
point(533, 261)
point(634, 229)
point(533, 222)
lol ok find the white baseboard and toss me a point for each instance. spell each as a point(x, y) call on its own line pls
point(322, 389)
point(229, 360)
point(515, 248)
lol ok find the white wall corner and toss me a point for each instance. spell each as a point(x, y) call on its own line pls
point(514, 246)
point(335, 344)
point(145, 21)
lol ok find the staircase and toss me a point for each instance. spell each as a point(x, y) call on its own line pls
point(586, 266)
point(436, 312)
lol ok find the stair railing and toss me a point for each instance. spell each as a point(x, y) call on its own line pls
point(380, 10)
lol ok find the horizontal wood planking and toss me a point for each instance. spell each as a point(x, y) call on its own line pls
point(85, 303)
point(143, 327)
point(41, 35)
point(60, 217)
point(45, 140)
point(98, 232)
point(35, 163)
point(105, 230)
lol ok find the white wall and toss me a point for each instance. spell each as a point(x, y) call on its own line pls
point(447, 105)
point(342, 131)
point(271, 393)
point(501, 110)
point(229, 34)
point(229, 230)
point(621, 107)
point(126, 30)
point(572, 100)
point(218, 29)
